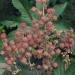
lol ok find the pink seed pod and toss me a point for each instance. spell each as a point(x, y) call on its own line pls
point(62, 45)
point(28, 54)
point(12, 59)
point(71, 42)
point(29, 37)
point(12, 42)
point(5, 40)
point(5, 45)
point(31, 42)
point(41, 23)
point(9, 62)
point(3, 35)
point(8, 48)
point(69, 35)
point(35, 36)
point(36, 25)
point(50, 27)
point(45, 19)
point(18, 33)
point(25, 45)
point(33, 9)
point(23, 24)
point(34, 21)
point(66, 44)
point(13, 47)
point(54, 65)
point(45, 67)
point(22, 50)
point(40, 13)
point(18, 45)
point(40, 32)
point(58, 34)
point(39, 40)
point(50, 10)
point(23, 60)
point(55, 18)
point(25, 39)
point(43, 1)
point(28, 31)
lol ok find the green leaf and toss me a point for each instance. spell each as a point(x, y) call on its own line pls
point(60, 70)
point(31, 72)
point(8, 23)
point(2, 60)
point(71, 69)
point(59, 9)
point(0, 45)
point(61, 26)
point(21, 5)
point(39, 5)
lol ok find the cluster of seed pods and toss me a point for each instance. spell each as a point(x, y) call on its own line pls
point(37, 45)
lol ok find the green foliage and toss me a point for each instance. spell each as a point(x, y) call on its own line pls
point(59, 9)
point(22, 6)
